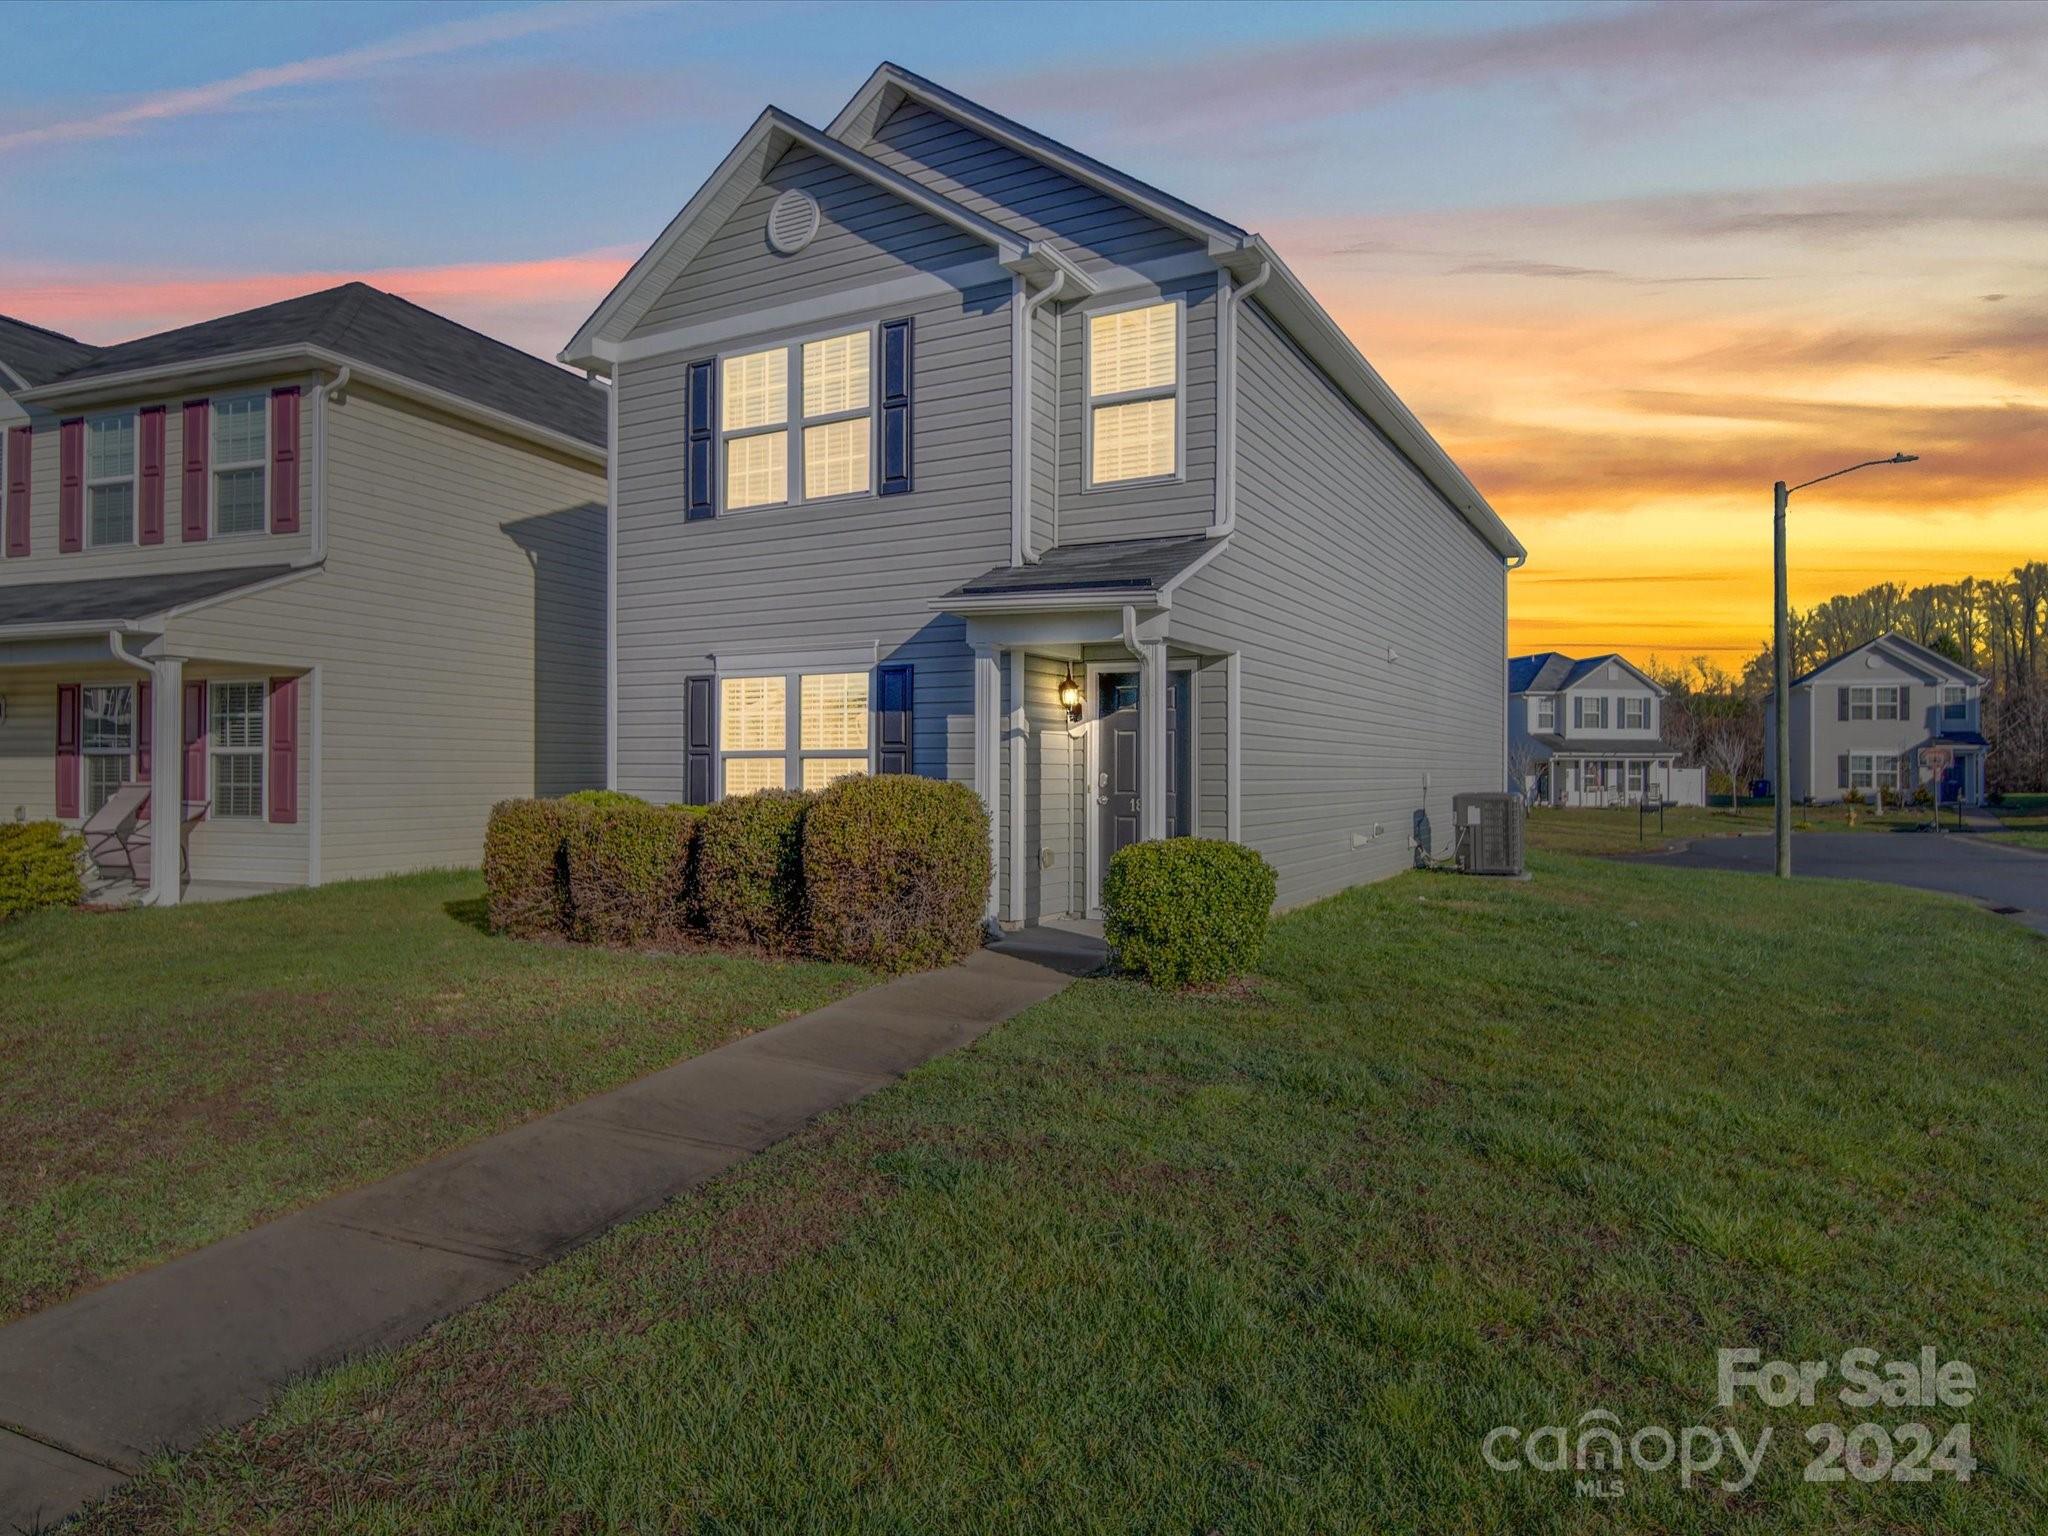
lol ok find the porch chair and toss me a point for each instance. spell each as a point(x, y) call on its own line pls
point(107, 832)
point(141, 850)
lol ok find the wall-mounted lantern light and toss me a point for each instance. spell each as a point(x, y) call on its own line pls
point(1070, 694)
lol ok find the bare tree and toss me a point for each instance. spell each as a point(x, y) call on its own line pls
point(1726, 751)
point(1524, 758)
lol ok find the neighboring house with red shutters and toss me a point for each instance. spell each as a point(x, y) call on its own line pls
point(923, 420)
point(333, 568)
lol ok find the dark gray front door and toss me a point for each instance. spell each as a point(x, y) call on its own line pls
point(1117, 769)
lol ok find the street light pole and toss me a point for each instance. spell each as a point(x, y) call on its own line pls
point(1781, 647)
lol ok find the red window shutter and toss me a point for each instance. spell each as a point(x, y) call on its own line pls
point(284, 462)
point(284, 749)
point(20, 450)
point(194, 498)
point(195, 743)
point(68, 730)
point(150, 513)
point(71, 487)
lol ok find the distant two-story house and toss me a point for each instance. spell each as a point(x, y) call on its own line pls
point(327, 575)
point(941, 447)
point(1591, 732)
point(1871, 720)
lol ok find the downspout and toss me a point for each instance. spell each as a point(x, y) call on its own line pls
point(1224, 520)
point(1507, 702)
point(167, 681)
point(1021, 552)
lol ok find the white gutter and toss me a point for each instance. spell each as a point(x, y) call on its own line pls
point(1026, 310)
point(166, 834)
point(1224, 519)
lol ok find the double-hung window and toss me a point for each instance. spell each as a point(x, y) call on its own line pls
point(1134, 394)
point(754, 730)
point(1589, 712)
point(110, 479)
point(1635, 714)
point(236, 744)
point(1875, 702)
point(1546, 713)
point(241, 442)
point(106, 742)
point(834, 401)
point(1955, 702)
point(1636, 773)
point(1873, 771)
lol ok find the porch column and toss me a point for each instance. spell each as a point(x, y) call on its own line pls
point(988, 748)
point(166, 780)
point(1152, 765)
point(1019, 733)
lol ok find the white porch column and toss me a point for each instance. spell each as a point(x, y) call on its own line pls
point(1233, 747)
point(1019, 733)
point(166, 780)
point(1152, 765)
point(988, 748)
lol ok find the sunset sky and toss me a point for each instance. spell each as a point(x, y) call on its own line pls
point(1629, 263)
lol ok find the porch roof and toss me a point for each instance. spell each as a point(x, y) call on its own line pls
point(1604, 746)
point(1117, 569)
point(1966, 739)
point(116, 601)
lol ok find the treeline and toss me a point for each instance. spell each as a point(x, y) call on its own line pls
point(1997, 627)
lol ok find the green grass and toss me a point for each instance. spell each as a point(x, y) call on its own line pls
point(2026, 821)
point(172, 1077)
point(1464, 1154)
point(1614, 829)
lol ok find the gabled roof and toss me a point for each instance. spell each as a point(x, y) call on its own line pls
point(120, 601)
point(773, 134)
point(359, 324)
point(1551, 671)
point(30, 355)
point(1116, 570)
point(1909, 654)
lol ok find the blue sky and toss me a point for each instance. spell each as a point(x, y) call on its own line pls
point(1623, 259)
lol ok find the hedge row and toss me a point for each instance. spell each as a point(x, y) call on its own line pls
point(38, 867)
point(889, 872)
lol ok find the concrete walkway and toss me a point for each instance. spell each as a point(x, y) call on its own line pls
point(91, 1389)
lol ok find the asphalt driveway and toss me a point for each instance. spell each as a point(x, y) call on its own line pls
point(1962, 863)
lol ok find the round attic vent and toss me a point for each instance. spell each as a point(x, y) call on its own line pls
point(792, 221)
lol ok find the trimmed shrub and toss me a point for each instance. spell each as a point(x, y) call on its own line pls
point(526, 869)
point(598, 799)
point(749, 886)
point(896, 869)
point(1188, 911)
point(38, 867)
point(629, 868)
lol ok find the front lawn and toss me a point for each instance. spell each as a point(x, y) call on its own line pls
point(1466, 1154)
point(172, 1077)
point(1617, 829)
point(2026, 821)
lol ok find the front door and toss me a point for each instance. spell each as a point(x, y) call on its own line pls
point(1118, 752)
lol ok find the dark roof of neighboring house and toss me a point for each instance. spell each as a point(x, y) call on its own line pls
point(1547, 671)
point(381, 330)
point(113, 599)
point(1605, 746)
point(1931, 660)
point(1133, 567)
point(38, 356)
point(1961, 739)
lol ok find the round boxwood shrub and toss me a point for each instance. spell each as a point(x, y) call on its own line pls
point(1187, 911)
point(38, 867)
point(598, 799)
point(749, 885)
point(526, 869)
point(629, 867)
point(897, 871)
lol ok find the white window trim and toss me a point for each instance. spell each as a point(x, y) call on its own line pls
point(1546, 713)
point(1626, 705)
point(214, 469)
point(127, 755)
point(1869, 770)
point(1178, 394)
point(1874, 703)
point(793, 752)
point(261, 751)
point(794, 421)
point(133, 480)
point(1960, 703)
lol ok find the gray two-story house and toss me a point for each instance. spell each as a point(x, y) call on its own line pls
point(1590, 732)
point(941, 447)
point(1875, 719)
point(326, 576)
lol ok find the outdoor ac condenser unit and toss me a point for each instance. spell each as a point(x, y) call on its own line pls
point(1489, 833)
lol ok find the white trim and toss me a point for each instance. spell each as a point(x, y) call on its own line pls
point(315, 737)
point(1090, 402)
point(214, 467)
point(845, 658)
point(795, 424)
point(1233, 788)
point(1018, 733)
point(988, 693)
point(87, 484)
point(611, 588)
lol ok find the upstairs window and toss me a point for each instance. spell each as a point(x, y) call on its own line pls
point(1546, 713)
point(106, 742)
point(1134, 389)
point(241, 446)
point(1955, 702)
point(110, 479)
point(1635, 714)
point(834, 399)
point(236, 743)
point(1876, 702)
point(1589, 712)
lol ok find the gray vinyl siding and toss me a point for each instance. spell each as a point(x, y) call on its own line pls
point(1343, 550)
point(1055, 853)
point(828, 576)
point(45, 562)
point(1183, 505)
point(1091, 228)
point(459, 630)
point(1210, 691)
point(865, 235)
point(1045, 429)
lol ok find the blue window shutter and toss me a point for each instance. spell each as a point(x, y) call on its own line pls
point(703, 450)
point(895, 725)
point(700, 739)
point(896, 372)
